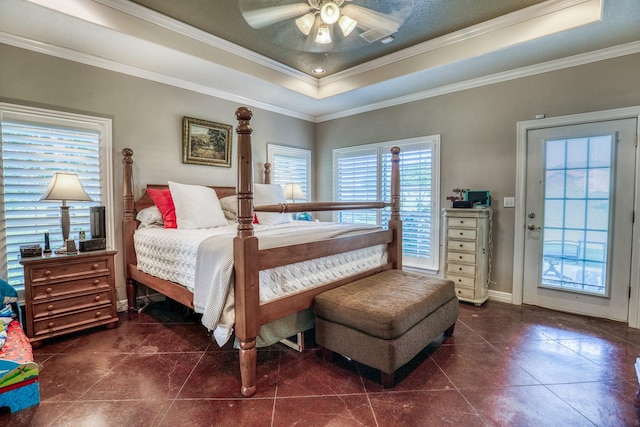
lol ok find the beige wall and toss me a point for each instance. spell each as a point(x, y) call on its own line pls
point(477, 127)
point(478, 133)
point(147, 117)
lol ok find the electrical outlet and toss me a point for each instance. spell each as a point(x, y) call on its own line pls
point(509, 202)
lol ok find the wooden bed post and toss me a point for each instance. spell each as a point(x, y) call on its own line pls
point(128, 226)
point(395, 223)
point(245, 247)
point(267, 173)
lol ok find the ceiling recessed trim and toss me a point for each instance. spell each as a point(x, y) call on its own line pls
point(546, 9)
point(559, 64)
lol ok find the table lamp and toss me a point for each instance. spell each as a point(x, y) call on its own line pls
point(292, 191)
point(65, 187)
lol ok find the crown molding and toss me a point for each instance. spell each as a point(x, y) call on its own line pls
point(176, 26)
point(107, 64)
point(555, 65)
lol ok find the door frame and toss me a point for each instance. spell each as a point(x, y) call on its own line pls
point(520, 221)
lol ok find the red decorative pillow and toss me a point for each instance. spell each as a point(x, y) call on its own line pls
point(164, 202)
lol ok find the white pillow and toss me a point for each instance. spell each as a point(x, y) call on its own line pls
point(269, 194)
point(150, 217)
point(230, 204)
point(196, 206)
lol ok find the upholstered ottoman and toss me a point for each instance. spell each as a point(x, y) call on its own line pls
point(385, 320)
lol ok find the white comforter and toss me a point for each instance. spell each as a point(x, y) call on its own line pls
point(211, 280)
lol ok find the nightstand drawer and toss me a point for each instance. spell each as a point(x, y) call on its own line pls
point(61, 306)
point(468, 258)
point(70, 269)
point(69, 288)
point(461, 233)
point(68, 323)
point(462, 222)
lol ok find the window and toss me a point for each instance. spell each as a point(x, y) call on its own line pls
point(363, 173)
point(290, 165)
point(35, 144)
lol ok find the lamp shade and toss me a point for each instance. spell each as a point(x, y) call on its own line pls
point(292, 191)
point(65, 186)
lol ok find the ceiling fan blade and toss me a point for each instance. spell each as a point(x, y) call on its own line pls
point(260, 18)
point(369, 19)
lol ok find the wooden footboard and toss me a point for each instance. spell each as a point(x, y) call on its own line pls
point(249, 260)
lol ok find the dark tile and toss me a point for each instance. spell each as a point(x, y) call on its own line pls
point(424, 408)
point(617, 356)
point(124, 339)
point(552, 363)
point(595, 401)
point(343, 411)
point(113, 413)
point(307, 373)
point(475, 366)
point(181, 337)
point(252, 412)
point(217, 375)
point(35, 416)
point(145, 376)
point(67, 376)
point(524, 406)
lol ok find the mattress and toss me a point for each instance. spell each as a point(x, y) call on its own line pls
point(202, 261)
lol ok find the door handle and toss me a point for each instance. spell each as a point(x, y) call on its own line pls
point(533, 227)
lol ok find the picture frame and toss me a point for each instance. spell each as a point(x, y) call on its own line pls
point(206, 143)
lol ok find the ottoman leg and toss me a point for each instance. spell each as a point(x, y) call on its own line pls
point(449, 331)
point(386, 379)
point(327, 354)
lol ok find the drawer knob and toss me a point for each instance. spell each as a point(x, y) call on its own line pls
point(49, 290)
point(50, 325)
point(461, 233)
point(96, 282)
point(95, 266)
point(50, 307)
point(47, 273)
point(460, 268)
point(460, 245)
point(460, 257)
point(460, 280)
point(97, 314)
point(97, 298)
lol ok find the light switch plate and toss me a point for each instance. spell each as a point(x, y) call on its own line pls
point(509, 202)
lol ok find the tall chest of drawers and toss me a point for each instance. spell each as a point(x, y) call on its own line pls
point(467, 258)
point(69, 293)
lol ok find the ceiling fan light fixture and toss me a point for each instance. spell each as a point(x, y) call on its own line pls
point(305, 23)
point(347, 25)
point(330, 13)
point(324, 35)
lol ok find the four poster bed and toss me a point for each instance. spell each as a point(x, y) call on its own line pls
point(255, 249)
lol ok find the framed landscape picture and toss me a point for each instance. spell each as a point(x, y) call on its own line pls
point(206, 143)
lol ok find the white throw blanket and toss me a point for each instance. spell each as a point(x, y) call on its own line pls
point(213, 293)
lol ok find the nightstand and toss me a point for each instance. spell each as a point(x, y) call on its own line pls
point(69, 293)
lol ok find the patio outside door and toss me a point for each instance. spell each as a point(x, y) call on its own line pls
point(579, 208)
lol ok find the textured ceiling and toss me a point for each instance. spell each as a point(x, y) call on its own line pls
point(284, 43)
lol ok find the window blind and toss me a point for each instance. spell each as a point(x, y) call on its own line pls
point(364, 174)
point(291, 165)
point(33, 148)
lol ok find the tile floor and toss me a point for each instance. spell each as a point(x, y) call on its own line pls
point(505, 366)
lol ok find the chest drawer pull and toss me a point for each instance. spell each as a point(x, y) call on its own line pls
point(97, 298)
point(50, 307)
point(49, 290)
point(96, 282)
point(50, 325)
point(97, 314)
point(47, 273)
point(94, 266)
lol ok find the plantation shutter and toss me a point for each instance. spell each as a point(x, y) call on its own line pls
point(364, 174)
point(33, 148)
point(290, 165)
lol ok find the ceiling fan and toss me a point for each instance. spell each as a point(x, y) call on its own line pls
point(317, 19)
